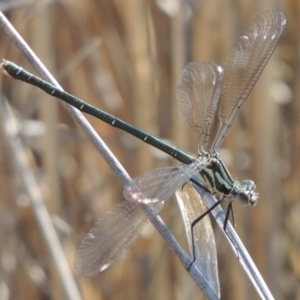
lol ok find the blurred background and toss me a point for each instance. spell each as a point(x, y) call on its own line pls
point(126, 58)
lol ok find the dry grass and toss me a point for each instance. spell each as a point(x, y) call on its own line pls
point(126, 57)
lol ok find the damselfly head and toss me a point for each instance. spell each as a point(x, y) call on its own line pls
point(247, 195)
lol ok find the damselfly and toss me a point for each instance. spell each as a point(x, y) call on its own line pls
point(200, 87)
point(198, 93)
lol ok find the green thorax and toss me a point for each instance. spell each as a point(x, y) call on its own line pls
point(216, 176)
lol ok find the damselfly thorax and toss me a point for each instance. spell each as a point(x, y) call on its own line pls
point(219, 181)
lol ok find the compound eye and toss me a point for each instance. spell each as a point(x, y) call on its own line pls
point(243, 197)
point(254, 199)
point(249, 185)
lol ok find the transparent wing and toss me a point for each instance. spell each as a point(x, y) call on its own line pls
point(192, 206)
point(160, 184)
point(112, 234)
point(198, 93)
point(244, 66)
point(117, 229)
